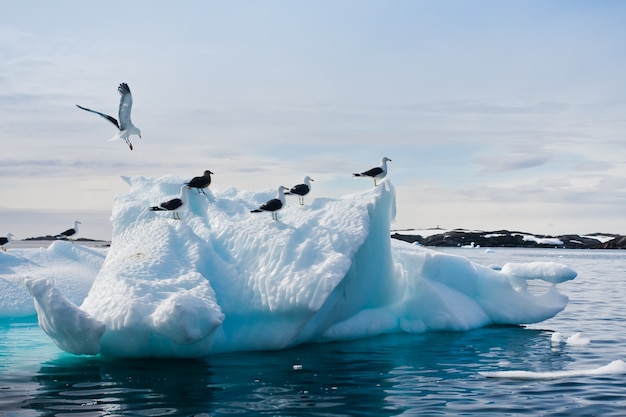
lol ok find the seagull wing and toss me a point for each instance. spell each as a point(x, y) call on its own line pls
point(68, 232)
point(300, 189)
point(199, 182)
point(172, 204)
point(126, 104)
point(106, 116)
point(372, 172)
point(272, 205)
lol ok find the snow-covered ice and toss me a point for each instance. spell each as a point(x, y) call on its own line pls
point(73, 329)
point(543, 241)
point(71, 267)
point(222, 279)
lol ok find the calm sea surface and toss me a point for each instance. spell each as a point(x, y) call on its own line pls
point(402, 374)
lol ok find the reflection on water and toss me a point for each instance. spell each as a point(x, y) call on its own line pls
point(386, 375)
point(112, 387)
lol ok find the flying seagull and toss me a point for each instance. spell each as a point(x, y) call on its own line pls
point(377, 173)
point(5, 241)
point(124, 125)
point(274, 204)
point(69, 232)
point(301, 189)
point(173, 204)
point(200, 182)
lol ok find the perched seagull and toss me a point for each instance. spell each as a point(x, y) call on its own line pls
point(173, 204)
point(274, 204)
point(5, 241)
point(301, 189)
point(69, 232)
point(125, 126)
point(200, 182)
point(377, 173)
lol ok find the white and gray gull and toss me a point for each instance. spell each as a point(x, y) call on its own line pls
point(5, 241)
point(377, 173)
point(124, 125)
point(274, 204)
point(174, 204)
point(301, 189)
point(69, 232)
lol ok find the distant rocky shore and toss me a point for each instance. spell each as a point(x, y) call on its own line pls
point(49, 237)
point(509, 239)
point(474, 238)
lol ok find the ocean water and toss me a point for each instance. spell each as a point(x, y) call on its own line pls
point(437, 373)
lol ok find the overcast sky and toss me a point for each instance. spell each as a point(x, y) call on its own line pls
point(496, 114)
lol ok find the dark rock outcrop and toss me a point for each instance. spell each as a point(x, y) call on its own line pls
point(514, 239)
point(619, 242)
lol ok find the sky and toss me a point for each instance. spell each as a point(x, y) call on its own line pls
point(496, 115)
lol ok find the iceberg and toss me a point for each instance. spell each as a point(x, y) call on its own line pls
point(222, 279)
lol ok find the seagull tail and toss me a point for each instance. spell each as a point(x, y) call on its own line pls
point(117, 136)
point(157, 208)
point(256, 211)
point(357, 175)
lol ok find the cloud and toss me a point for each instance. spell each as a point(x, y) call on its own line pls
point(46, 169)
point(488, 107)
point(511, 162)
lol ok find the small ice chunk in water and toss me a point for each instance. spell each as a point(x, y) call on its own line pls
point(556, 338)
point(578, 340)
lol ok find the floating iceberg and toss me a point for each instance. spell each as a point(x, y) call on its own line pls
point(223, 279)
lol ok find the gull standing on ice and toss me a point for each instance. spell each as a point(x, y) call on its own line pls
point(69, 232)
point(301, 189)
point(173, 204)
point(377, 173)
point(274, 204)
point(125, 126)
point(201, 182)
point(5, 241)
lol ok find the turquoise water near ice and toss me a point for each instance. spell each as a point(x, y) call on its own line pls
point(434, 373)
